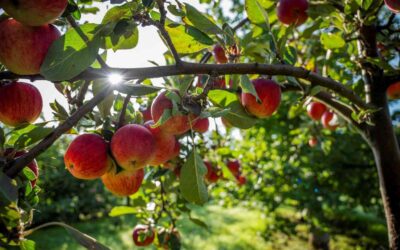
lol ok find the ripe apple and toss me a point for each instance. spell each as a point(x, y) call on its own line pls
point(146, 113)
point(269, 93)
point(201, 125)
point(133, 146)
point(313, 142)
point(393, 91)
point(164, 145)
point(123, 183)
point(213, 174)
point(34, 13)
point(219, 54)
point(11, 153)
point(292, 11)
point(175, 125)
point(177, 149)
point(241, 180)
point(218, 83)
point(393, 5)
point(330, 120)
point(143, 235)
point(19, 103)
point(315, 110)
point(168, 238)
point(87, 157)
point(23, 48)
point(234, 167)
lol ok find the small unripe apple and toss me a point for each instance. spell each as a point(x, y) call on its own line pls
point(201, 125)
point(393, 91)
point(23, 48)
point(330, 120)
point(234, 167)
point(315, 110)
point(87, 157)
point(19, 103)
point(213, 174)
point(241, 180)
point(219, 54)
point(133, 146)
point(164, 145)
point(143, 235)
point(9, 152)
point(292, 11)
point(34, 13)
point(393, 5)
point(123, 183)
point(269, 93)
point(313, 141)
point(175, 125)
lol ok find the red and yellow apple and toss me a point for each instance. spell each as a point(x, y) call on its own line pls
point(146, 114)
point(234, 167)
point(87, 157)
point(23, 48)
point(143, 235)
point(213, 174)
point(330, 120)
point(19, 103)
point(219, 54)
point(393, 91)
point(269, 93)
point(34, 13)
point(133, 146)
point(292, 12)
point(201, 125)
point(315, 110)
point(393, 5)
point(123, 183)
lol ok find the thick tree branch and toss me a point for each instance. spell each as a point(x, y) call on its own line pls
point(16, 166)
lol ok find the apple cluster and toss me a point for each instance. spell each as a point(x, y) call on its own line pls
point(145, 235)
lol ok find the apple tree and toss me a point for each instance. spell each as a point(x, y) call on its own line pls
point(340, 56)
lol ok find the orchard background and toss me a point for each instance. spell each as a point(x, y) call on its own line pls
point(272, 126)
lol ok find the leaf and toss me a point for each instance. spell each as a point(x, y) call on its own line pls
point(124, 36)
point(247, 86)
point(254, 12)
point(84, 239)
point(117, 13)
point(59, 111)
point(26, 136)
point(29, 174)
point(188, 39)
point(332, 41)
point(70, 55)
point(138, 89)
point(106, 105)
point(198, 222)
point(8, 188)
point(2, 138)
point(27, 245)
point(192, 184)
point(290, 55)
point(122, 210)
point(237, 115)
point(200, 21)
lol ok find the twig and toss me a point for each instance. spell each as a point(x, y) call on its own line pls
point(121, 121)
point(82, 93)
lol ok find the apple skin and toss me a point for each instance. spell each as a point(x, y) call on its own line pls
point(201, 125)
point(19, 103)
point(177, 149)
point(146, 113)
point(175, 125)
point(34, 13)
point(269, 93)
point(9, 152)
point(133, 146)
point(219, 54)
point(218, 83)
point(313, 142)
point(292, 11)
point(148, 232)
point(87, 157)
point(315, 110)
point(213, 174)
point(123, 183)
point(393, 91)
point(164, 145)
point(241, 180)
point(23, 48)
point(234, 167)
point(329, 120)
point(393, 5)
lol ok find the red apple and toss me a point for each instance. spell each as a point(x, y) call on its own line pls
point(292, 11)
point(87, 157)
point(133, 146)
point(34, 13)
point(269, 93)
point(393, 5)
point(330, 120)
point(234, 167)
point(175, 125)
point(143, 235)
point(9, 152)
point(315, 110)
point(201, 125)
point(219, 54)
point(393, 91)
point(123, 183)
point(19, 103)
point(23, 48)
point(241, 180)
point(164, 145)
point(313, 142)
point(146, 113)
point(177, 149)
point(213, 174)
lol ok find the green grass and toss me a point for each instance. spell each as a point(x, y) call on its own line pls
point(229, 229)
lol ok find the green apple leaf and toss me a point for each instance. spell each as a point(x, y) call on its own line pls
point(8, 189)
point(201, 22)
point(332, 41)
point(122, 210)
point(106, 105)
